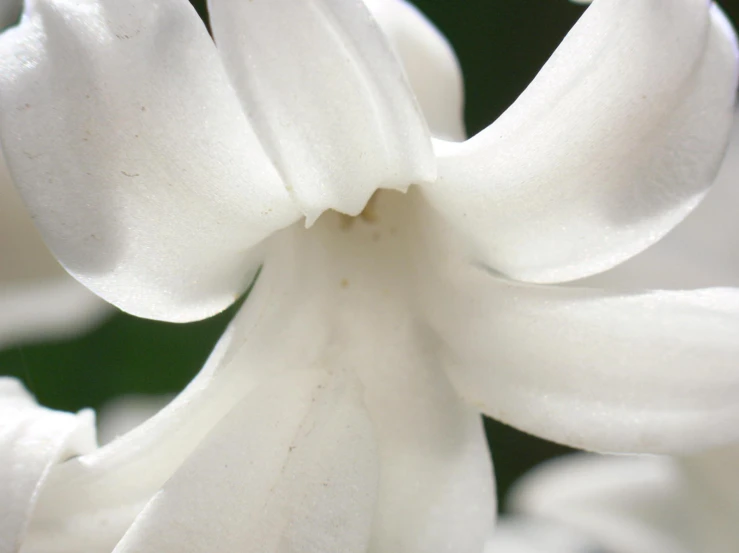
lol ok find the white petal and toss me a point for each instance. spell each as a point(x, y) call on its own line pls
point(614, 143)
point(38, 299)
point(130, 147)
point(436, 491)
point(327, 97)
point(429, 62)
point(32, 439)
point(93, 499)
point(292, 468)
point(700, 252)
point(94, 531)
point(642, 372)
point(629, 504)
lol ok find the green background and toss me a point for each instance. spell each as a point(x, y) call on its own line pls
point(501, 45)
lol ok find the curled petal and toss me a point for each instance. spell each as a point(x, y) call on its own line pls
point(613, 144)
point(429, 63)
point(328, 98)
point(292, 468)
point(423, 430)
point(32, 440)
point(130, 147)
point(645, 372)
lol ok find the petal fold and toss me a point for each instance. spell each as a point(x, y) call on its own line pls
point(641, 372)
point(328, 98)
point(129, 145)
point(32, 439)
point(614, 142)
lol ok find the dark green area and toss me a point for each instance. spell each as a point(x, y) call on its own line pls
point(501, 45)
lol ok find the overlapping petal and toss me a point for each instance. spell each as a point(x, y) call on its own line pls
point(111, 485)
point(329, 100)
point(436, 488)
point(429, 63)
point(702, 251)
point(614, 142)
point(123, 132)
point(32, 440)
point(609, 371)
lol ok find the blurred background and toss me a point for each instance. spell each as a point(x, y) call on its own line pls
point(501, 45)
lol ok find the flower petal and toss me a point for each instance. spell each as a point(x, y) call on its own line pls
point(292, 468)
point(436, 489)
point(327, 97)
point(630, 504)
point(32, 439)
point(91, 501)
point(38, 300)
point(614, 143)
point(429, 62)
point(129, 145)
point(702, 251)
point(641, 372)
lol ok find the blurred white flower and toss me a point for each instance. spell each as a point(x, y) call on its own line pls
point(640, 504)
point(38, 299)
point(340, 410)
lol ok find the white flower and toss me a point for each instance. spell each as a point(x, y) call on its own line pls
point(330, 417)
point(38, 299)
point(640, 504)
